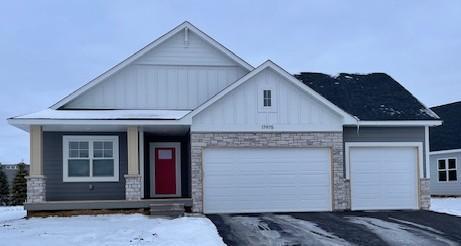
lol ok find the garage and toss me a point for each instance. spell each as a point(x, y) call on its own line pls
point(244, 180)
point(383, 177)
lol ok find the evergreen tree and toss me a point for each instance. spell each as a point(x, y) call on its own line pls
point(19, 192)
point(4, 188)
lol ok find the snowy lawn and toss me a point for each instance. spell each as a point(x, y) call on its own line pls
point(447, 205)
point(117, 229)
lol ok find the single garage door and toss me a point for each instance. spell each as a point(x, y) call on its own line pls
point(383, 177)
point(243, 180)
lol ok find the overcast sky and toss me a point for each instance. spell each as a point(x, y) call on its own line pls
point(50, 48)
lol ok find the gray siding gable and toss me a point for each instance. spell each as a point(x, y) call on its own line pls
point(57, 190)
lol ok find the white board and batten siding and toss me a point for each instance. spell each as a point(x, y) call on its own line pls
point(177, 74)
point(293, 109)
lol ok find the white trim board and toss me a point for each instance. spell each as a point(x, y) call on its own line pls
point(177, 146)
point(397, 123)
point(426, 152)
point(184, 26)
point(141, 158)
point(269, 64)
point(450, 151)
point(418, 145)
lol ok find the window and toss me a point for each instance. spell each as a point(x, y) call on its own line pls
point(90, 159)
point(267, 98)
point(447, 169)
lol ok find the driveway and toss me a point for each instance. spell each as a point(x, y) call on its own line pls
point(340, 228)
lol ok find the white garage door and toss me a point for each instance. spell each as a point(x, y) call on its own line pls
point(242, 180)
point(383, 177)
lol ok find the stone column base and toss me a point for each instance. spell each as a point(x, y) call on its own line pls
point(424, 194)
point(133, 185)
point(36, 189)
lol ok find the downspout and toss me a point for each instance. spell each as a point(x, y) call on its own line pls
point(358, 124)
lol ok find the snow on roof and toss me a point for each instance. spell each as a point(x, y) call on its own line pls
point(115, 114)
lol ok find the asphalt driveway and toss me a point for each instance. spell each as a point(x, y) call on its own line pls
point(340, 228)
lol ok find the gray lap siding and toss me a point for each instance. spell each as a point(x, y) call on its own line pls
point(385, 134)
point(57, 190)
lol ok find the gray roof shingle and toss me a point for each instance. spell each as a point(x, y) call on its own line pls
point(448, 135)
point(375, 96)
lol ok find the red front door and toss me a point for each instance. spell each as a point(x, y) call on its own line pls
point(165, 171)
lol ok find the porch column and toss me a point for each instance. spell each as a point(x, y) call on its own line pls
point(133, 182)
point(36, 186)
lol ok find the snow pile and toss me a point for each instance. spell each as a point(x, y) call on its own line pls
point(12, 213)
point(447, 205)
point(134, 229)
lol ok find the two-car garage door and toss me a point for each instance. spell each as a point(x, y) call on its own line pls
point(240, 180)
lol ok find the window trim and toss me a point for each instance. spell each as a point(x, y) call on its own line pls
point(447, 169)
point(273, 98)
point(91, 139)
point(268, 98)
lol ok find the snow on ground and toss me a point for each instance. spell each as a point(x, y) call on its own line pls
point(11, 213)
point(447, 205)
point(117, 229)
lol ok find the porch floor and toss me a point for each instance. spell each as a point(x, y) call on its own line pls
point(103, 204)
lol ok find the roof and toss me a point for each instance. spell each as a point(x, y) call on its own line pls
point(369, 97)
point(269, 64)
point(448, 135)
point(116, 114)
point(185, 25)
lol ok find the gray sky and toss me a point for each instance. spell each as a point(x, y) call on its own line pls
point(50, 48)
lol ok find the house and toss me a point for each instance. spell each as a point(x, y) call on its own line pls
point(185, 120)
point(445, 152)
point(10, 171)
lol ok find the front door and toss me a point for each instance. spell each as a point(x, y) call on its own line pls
point(166, 173)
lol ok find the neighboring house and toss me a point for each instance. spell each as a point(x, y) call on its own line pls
point(185, 120)
point(10, 171)
point(446, 151)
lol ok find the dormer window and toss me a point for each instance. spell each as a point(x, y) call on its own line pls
point(267, 98)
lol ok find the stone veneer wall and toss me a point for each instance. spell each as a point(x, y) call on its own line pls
point(332, 140)
point(424, 194)
point(36, 189)
point(133, 185)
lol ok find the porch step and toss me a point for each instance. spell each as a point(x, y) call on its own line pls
point(167, 209)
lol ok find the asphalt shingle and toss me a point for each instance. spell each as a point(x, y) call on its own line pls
point(375, 96)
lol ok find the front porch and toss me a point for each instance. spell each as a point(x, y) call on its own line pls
point(153, 168)
point(104, 204)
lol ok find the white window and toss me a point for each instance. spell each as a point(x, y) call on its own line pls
point(90, 159)
point(447, 169)
point(267, 98)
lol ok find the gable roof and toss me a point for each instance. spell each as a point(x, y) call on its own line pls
point(448, 135)
point(147, 48)
point(269, 64)
point(369, 97)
